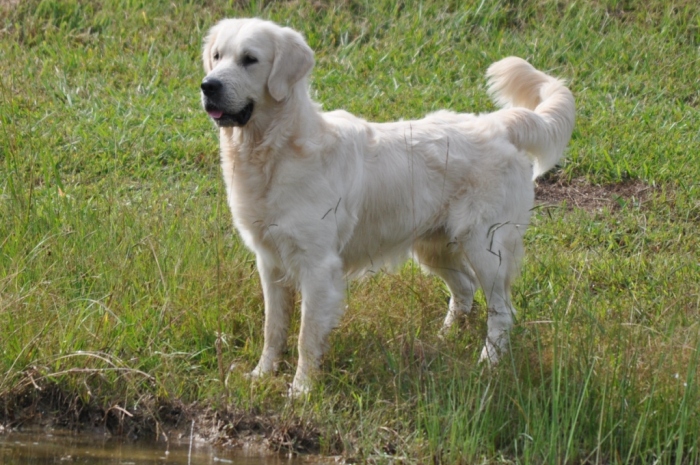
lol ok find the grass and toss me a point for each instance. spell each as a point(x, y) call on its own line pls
point(122, 281)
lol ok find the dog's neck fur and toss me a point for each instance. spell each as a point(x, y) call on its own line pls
point(265, 134)
point(250, 155)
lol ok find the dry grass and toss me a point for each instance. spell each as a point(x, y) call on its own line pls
point(125, 296)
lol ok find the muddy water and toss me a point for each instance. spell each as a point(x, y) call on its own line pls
point(57, 448)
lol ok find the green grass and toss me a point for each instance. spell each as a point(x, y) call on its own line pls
point(120, 272)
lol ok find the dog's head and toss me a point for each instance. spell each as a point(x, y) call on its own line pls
point(250, 64)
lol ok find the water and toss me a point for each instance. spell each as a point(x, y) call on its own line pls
point(64, 448)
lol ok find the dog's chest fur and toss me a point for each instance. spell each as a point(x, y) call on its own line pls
point(247, 183)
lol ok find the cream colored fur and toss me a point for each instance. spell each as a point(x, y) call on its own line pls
point(320, 197)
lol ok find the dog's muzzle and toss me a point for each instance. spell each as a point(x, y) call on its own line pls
point(212, 91)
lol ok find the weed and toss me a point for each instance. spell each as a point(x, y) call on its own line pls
point(123, 287)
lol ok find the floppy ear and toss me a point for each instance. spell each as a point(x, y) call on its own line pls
point(293, 60)
point(208, 43)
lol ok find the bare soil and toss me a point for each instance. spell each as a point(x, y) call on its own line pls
point(48, 406)
point(579, 193)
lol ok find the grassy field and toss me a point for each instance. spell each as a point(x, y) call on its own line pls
point(123, 287)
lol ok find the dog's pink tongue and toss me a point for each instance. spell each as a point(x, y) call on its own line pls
point(216, 114)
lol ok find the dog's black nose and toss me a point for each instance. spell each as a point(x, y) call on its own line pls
point(211, 86)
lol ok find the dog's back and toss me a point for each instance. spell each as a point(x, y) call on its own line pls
point(319, 195)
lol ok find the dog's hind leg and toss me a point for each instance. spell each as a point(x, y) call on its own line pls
point(279, 304)
point(447, 261)
point(495, 255)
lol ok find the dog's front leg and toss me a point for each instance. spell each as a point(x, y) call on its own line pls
point(322, 294)
point(279, 304)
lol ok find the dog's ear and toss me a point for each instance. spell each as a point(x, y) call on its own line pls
point(208, 43)
point(293, 60)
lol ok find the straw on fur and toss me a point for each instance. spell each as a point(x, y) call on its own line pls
point(321, 197)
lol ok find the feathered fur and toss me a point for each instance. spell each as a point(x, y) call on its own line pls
point(320, 197)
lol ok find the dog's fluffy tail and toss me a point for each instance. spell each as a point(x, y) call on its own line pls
point(539, 110)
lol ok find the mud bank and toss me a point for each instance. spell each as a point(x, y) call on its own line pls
point(49, 406)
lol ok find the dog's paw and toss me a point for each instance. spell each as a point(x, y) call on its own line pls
point(253, 375)
point(490, 354)
point(301, 385)
point(298, 392)
point(445, 331)
point(266, 366)
point(258, 372)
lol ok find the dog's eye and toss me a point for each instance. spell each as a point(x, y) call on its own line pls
point(216, 56)
point(249, 60)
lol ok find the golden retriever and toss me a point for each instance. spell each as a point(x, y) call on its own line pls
point(320, 197)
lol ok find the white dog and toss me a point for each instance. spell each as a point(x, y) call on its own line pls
point(320, 197)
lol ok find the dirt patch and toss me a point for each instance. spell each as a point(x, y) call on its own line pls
point(48, 406)
point(579, 193)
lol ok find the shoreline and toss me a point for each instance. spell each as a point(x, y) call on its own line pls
point(51, 408)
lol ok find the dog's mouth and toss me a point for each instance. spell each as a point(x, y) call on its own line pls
point(225, 119)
